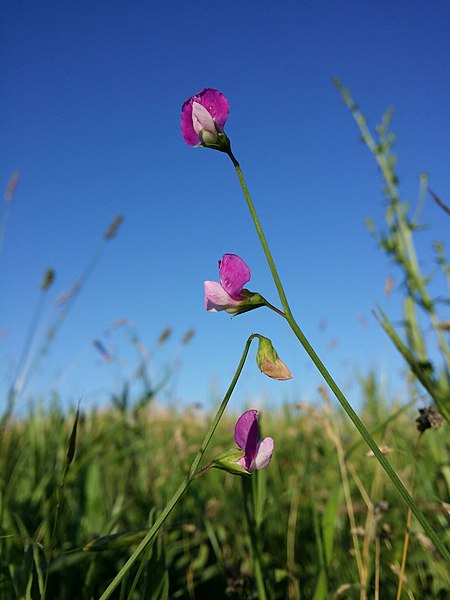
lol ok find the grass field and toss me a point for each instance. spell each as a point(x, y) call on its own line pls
point(325, 519)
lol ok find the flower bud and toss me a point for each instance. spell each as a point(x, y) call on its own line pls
point(269, 363)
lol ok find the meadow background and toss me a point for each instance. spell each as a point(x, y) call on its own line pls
point(110, 225)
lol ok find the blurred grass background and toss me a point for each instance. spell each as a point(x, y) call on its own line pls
point(315, 542)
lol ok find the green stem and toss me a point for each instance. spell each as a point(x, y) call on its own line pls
point(249, 506)
point(49, 557)
point(262, 238)
point(153, 531)
point(330, 381)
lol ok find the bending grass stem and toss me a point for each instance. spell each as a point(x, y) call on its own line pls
point(153, 531)
point(330, 381)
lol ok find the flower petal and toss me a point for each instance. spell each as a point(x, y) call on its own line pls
point(187, 127)
point(202, 120)
point(243, 463)
point(276, 370)
point(246, 429)
point(264, 451)
point(216, 298)
point(216, 104)
point(234, 274)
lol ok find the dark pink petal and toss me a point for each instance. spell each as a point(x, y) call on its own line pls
point(243, 426)
point(246, 437)
point(234, 274)
point(216, 298)
point(252, 444)
point(187, 127)
point(216, 104)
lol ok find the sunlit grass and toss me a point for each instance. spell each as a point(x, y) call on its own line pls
point(127, 464)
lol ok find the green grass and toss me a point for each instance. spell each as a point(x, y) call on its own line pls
point(128, 463)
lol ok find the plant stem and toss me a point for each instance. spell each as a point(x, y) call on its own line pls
point(249, 506)
point(262, 238)
point(329, 379)
point(153, 531)
point(401, 575)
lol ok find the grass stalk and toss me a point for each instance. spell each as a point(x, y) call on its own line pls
point(401, 575)
point(333, 434)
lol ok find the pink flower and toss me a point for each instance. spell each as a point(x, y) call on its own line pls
point(227, 295)
point(257, 455)
point(203, 117)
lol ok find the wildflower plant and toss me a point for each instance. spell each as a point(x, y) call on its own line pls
point(203, 118)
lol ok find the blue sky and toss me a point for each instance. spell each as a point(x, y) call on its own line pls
point(90, 115)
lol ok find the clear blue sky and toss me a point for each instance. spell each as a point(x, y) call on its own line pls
point(90, 112)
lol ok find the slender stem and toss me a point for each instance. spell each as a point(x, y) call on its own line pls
point(274, 308)
point(401, 575)
point(6, 208)
point(153, 531)
point(262, 237)
point(49, 557)
point(329, 379)
point(203, 470)
point(377, 569)
point(19, 376)
point(59, 498)
point(249, 504)
point(334, 434)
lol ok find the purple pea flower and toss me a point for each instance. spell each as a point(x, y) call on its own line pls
point(203, 117)
point(257, 455)
point(227, 295)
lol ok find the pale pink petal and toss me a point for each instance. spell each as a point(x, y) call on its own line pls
point(202, 120)
point(234, 274)
point(216, 298)
point(243, 463)
point(264, 451)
